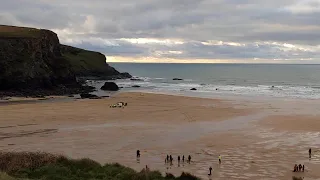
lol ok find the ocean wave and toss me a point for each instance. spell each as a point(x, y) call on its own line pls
point(165, 85)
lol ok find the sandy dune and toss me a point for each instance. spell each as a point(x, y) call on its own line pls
point(257, 139)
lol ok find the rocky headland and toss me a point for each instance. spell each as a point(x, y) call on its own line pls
point(33, 63)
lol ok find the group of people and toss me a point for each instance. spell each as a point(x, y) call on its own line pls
point(300, 168)
point(169, 159)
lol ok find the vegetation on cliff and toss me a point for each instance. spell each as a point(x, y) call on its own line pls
point(89, 63)
point(51, 167)
point(18, 32)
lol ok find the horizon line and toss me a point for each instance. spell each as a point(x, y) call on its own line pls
point(212, 63)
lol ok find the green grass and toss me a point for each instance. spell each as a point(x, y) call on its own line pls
point(18, 32)
point(5, 176)
point(86, 62)
point(51, 167)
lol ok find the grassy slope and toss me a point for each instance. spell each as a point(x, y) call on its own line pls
point(5, 176)
point(51, 167)
point(12, 31)
point(85, 62)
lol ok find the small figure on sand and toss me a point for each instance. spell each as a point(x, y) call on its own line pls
point(219, 159)
point(309, 152)
point(189, 159)
point(167, 158)
point(298, 168)
point(171, 159)
point(210, 169)
point(138, 153)
point(178, 159)
point(183, 158)
point(295, 168)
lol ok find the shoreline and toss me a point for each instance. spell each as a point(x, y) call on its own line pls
point(193, 94)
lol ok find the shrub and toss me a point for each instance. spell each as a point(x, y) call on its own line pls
point(13, 161)
point(52, 167)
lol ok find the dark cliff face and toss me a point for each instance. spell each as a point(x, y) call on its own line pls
point(33, 61)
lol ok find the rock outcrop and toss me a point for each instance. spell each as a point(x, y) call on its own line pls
point(110, 86)
point(177, 79)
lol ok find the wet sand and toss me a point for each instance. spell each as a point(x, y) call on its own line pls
point(258, 139)
point(298, 123)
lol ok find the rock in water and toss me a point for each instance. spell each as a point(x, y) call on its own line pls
point(110, 86)
point(177, 79)
point(193, 89)
point(125, 75)
point(136, 86)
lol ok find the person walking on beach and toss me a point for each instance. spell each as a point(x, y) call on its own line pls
point(178, 159)
point(219, 159)
point(189, 159)
point(309, 152)
point(138, 153)
point(171, 159)
point(295, 168)
point(210, 169)
point(183, 158)
point(302, 168)
point(167, 158)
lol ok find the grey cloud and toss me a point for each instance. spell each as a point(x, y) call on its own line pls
point(197, 50)
point(120, 48)
point(193, 21)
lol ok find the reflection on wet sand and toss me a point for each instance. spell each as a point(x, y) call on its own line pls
point(160, 125)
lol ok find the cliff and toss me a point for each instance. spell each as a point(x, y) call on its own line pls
point(90, 63)
point(33, 59)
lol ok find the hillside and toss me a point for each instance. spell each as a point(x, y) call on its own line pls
point(33, 60)
point(90, 63)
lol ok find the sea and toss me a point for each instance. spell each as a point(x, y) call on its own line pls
point(256, 80)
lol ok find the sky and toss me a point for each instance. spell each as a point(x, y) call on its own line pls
point(179, 31)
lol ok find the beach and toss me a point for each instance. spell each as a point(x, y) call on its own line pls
point(258, 138)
